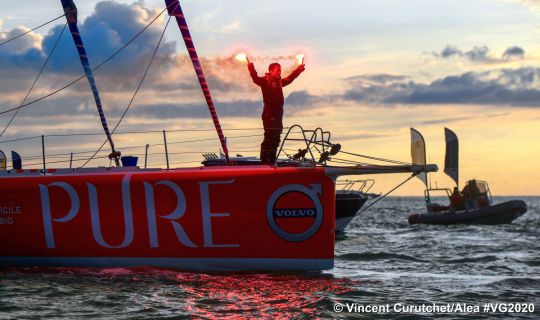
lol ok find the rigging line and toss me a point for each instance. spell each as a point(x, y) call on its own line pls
point(345, 161)
point(135, 93)
point(81, 158)
point(59, 135)
point(174, 142)
point(36, 80)
point(171, 163)
point(374, 158)
point(20, 139)
point(212, 139)
point(93, 69)
point(57, 161)
point(188, 141)
point(386, 194)
point(129, 132)
point(22, 34)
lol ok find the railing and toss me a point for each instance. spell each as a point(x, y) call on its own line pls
point(318, 142)
point(172, 149)
point(363, 185)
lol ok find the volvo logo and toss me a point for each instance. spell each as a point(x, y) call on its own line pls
point(294, 212)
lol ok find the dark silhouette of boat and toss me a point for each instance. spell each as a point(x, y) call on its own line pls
point(500, 213)
point(350, 198)
point(473, 205)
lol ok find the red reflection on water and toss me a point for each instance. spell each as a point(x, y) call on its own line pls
point(222, 295)
point(260, 296)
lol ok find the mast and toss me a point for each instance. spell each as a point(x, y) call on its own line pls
point(71, 15)
point(174, 9)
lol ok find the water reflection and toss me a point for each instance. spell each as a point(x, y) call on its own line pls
point(154, 292)
point(261, 296)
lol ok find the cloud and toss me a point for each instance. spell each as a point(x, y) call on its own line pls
point(535, 4)
point(232, 27)
point(234, 108)
point(299, 100)
point(448, 120)
point(525, 78)
point(380, 78)
point(449, 51)
point(461, 118)
point(295, 103)
point(481, 54)
point(23, 44)
point(510, 87)
point(513, 53)
point(106, 30)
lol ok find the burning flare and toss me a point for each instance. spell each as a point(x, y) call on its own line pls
point(300, 58)
point(242, 57)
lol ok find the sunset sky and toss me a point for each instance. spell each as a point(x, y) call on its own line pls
point(374, 69)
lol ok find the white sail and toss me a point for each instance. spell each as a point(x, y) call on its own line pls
point(418, 152)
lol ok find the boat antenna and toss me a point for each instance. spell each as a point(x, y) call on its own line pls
point(174, 9)
point(71, 15)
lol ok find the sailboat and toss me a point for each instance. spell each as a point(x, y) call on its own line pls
point(474, 205)
point(223, 217)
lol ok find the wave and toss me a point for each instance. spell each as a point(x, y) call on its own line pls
point(370, 256)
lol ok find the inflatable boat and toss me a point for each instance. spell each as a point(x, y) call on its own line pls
point(500, 213)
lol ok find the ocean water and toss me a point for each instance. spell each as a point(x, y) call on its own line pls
point(381, 261)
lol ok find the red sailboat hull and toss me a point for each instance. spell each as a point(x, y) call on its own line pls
point(221, 218)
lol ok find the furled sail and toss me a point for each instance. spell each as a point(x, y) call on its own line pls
point(451, 160)
point(174, 9)
point(418, 152)
point(2, 160)
point(71, 15)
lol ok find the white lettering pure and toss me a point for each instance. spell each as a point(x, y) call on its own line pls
point(46, 209)
point(128, 215)
point(176, 214)
point(152, 216)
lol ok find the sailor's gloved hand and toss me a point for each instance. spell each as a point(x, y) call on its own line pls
point(250, 65)
point(301, 67)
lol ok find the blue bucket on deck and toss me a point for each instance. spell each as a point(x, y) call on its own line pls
point(129, 161)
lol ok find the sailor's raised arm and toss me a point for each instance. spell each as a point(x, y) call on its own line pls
point(253, 73)
point(290, 78)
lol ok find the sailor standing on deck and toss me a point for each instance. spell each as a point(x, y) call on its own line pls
point(272, 90)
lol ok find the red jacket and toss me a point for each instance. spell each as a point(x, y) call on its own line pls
point(272, 91)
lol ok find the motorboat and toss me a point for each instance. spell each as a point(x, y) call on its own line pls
point(473, 205)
